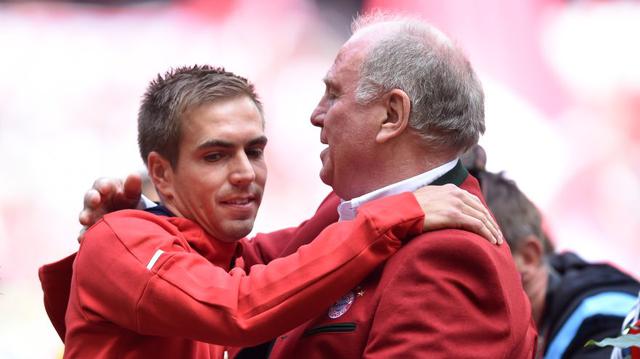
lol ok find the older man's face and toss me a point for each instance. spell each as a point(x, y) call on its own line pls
point(347, 127)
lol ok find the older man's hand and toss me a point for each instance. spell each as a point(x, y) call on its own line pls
point(449, 206)
point(108, 195)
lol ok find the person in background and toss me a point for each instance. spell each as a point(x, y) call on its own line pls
point(572, 300)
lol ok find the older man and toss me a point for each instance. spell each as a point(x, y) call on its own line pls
point(401, 104)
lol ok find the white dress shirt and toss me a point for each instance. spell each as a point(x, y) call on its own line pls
point(349, 209)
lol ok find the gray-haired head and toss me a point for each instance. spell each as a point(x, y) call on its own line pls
point(447, 101)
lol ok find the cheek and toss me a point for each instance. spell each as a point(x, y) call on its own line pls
point(261, 174)
point(204, 185)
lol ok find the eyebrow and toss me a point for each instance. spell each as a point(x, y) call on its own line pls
point(262, 140)
point(258, 141)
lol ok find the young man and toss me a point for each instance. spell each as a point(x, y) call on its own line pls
point(161, 283)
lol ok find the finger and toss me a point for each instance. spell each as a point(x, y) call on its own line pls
point(475, 203)
point(479, 223)
point(84, 217)
point(92, 199)
point(107, 187)
point(478, 226)
point(81, 234)
point(133, 186)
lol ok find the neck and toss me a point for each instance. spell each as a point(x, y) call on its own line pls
point(393, 164)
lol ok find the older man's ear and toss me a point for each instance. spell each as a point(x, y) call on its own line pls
point(398, 108)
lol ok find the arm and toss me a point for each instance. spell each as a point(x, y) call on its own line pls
point(445, 207)
point(264, 247)
point(184, 294)
point(444, 295)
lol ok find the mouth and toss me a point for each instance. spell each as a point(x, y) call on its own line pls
point(241, 204)
point(323, 153)
point(239, 201)
point(323, 139)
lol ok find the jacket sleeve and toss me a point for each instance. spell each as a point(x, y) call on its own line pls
point(443, 298)
point(265, 247)
point(55, 279)
point(184, 294)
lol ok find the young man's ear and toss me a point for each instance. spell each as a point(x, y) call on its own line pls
point(398, 107)
point(161, 174)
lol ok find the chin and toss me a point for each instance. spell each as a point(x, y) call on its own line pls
point(240, 230)
point(326, 179)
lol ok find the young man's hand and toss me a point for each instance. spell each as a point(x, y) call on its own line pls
point(449, 206)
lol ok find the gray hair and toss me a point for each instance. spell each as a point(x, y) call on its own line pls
point(447, 101)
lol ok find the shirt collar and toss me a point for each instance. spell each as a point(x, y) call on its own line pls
point(349, 209)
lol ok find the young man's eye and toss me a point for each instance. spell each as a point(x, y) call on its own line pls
point(213, 157)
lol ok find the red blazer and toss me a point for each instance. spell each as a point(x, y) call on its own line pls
point(446, 294)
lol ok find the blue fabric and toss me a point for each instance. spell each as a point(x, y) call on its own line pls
point(607, 303)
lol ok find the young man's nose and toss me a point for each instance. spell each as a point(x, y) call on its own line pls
point(242, 172)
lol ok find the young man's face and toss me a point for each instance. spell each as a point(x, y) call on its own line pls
point(220, 175)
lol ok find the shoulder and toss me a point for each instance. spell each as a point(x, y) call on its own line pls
point(573, 281)
point(131, 224)
point(462, 262)
point(442, 246)
point(130, 233)
point(125, 220)
point(465, 287)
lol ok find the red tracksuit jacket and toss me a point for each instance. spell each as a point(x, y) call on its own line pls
point(146, 286)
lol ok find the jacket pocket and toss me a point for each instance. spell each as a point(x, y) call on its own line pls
point(331, 328)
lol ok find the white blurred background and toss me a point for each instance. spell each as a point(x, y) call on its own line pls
point(562, 82)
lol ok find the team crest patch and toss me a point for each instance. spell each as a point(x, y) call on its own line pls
point(341, 306)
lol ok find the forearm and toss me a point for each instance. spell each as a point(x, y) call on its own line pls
point(183, 294)
point(249, 309)
point(265, 247)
